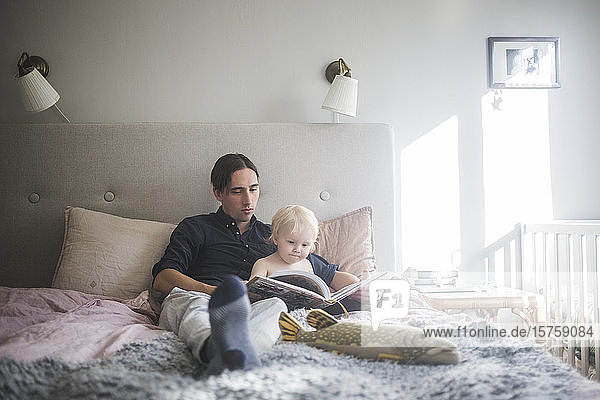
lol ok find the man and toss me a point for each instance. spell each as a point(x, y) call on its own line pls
point(211, 254)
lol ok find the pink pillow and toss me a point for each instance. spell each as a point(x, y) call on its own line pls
point(109, 255)
point(348, 241)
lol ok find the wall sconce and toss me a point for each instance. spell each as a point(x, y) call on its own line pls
point(343, 93)
point(36, 92)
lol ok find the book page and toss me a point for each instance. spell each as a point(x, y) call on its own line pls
point(261, 287)
point(304, 280)
point(348, 290)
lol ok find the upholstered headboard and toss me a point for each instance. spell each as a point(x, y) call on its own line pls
point(160, 171)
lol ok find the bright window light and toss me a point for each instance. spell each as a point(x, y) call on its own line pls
point(516, 159)
point(430, 199)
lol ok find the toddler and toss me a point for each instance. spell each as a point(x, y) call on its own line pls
point(294, 232)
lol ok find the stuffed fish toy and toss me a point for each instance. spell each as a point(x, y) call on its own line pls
point(401, 344)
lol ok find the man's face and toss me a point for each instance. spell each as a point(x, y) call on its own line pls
point(239, 199)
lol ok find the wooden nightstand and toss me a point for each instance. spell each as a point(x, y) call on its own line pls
point(487, 301)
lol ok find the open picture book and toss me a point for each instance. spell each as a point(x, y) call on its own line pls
point(301, 289)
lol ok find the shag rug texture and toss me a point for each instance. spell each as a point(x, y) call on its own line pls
point(165, 369)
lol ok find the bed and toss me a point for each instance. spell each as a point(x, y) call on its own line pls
point(88, 208)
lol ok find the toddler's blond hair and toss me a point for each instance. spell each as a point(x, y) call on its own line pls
point(296, 216)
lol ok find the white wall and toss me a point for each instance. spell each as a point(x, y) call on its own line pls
point(418, 63)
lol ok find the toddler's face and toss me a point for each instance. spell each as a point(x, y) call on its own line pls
point(293, 246)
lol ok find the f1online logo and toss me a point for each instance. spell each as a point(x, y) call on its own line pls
point(389, 299)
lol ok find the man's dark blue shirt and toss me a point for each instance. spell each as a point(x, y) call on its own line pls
point(209, 246)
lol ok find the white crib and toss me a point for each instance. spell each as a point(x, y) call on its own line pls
point(559, 260)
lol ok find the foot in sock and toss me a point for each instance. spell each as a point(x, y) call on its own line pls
point(229, 345)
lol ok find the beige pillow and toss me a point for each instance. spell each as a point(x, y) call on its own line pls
point(348, 241)
point(109, 255)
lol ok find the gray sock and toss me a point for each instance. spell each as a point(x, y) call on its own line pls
point(229, 346)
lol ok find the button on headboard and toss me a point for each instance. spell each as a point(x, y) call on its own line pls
point(160, 171)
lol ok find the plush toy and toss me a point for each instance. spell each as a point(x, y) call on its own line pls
point(397, 343)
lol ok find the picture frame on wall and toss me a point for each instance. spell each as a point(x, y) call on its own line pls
point(523, 62)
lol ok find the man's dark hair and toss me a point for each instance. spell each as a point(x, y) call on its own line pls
point(225, 166)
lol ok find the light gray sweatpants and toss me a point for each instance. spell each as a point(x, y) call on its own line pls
point(186, 314)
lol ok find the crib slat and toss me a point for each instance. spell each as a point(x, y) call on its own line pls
point(596, 342)
point(592, 268)
point(546, 276)
point(537, 268)
point(507, 267)
point(581, 314)
point(563, 298)
point(519, 257)
point(556, 292)
point(526, 263)
point(565, 276)
point(491, 270)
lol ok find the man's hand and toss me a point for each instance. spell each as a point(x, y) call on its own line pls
point(169, 278)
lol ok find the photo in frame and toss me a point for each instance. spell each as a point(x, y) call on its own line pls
point(523, 62)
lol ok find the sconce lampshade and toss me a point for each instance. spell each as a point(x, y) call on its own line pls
point(37, 94)
point(342, 96)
